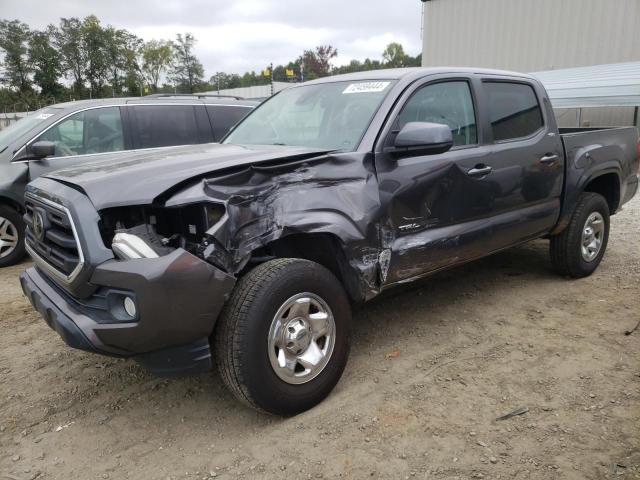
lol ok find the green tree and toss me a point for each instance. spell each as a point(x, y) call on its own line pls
point(68, 41)
point(14, 38)
point(353, 66)
point(317, 63)
point(133, 74)
point(187, 72)
point(121, 52)
point(223, 81)
point(394, 56)
point(44, 58)
point(94, 41)
point(157, 56)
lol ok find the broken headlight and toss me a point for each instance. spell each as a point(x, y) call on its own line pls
point(149, 232)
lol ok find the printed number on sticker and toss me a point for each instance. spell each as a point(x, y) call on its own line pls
point(366, 87)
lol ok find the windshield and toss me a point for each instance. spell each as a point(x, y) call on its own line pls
point(332, 116)
point(22, 126)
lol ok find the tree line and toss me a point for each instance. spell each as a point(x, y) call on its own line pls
point(314, 64)
point(82, 58)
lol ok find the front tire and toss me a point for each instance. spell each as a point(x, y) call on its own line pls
point(579, 249)
point(11, 237)
point(282, 340)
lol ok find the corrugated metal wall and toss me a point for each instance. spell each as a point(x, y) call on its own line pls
point(530, 35)
point(259, 91)
point(534, 35)
point(595, 117)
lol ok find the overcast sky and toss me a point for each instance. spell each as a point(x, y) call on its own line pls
point(239, 35)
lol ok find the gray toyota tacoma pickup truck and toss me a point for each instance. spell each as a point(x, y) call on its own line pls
point(330, 192)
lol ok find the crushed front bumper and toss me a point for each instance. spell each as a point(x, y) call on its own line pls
point(178, 299)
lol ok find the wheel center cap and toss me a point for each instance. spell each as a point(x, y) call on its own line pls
point(297, 336)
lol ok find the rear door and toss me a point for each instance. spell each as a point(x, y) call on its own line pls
point(527, 157)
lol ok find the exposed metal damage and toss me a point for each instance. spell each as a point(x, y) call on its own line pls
point(246, 215)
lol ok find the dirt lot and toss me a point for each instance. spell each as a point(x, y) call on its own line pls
point(431, 368)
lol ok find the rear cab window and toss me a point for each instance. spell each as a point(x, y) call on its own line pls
point(514, 110)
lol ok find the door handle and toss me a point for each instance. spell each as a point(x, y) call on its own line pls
point(480, 171)
point(549, 159)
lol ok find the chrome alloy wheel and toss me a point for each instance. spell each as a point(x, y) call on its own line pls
point(592, 237)
point(301, 338)
point(8, 237)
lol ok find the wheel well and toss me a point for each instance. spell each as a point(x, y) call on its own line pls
point(11, 203)
point(608, 186)
point(323, 248)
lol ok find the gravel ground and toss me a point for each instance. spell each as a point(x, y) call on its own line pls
point(431, 368)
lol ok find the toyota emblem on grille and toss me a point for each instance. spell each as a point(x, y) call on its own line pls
point(38, 225)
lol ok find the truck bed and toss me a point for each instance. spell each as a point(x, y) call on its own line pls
point(592, 152)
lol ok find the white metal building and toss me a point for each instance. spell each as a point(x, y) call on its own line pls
point(535, 36)
point(257, 92)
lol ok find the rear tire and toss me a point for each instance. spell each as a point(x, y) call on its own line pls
point(292, 299)
point(11, 236)
point(579, 249)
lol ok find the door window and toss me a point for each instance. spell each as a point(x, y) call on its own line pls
point(448, 103)
point(223, 117)
point(514, 110)
point(165, 126)
point(98, 130)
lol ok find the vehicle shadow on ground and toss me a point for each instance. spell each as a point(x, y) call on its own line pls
point(377, 325)
point(438, 296)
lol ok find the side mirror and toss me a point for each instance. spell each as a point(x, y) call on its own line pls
point(42, 149)
point(423, 138)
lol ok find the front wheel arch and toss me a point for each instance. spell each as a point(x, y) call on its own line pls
point(325, 249)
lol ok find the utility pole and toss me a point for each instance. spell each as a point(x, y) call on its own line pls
point(271, 71)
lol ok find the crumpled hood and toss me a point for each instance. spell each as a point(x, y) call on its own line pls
point(137, 178)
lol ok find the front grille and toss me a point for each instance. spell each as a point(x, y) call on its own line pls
point(51, 238)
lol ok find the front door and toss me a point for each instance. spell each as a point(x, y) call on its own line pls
point(80, 138)
point(435, 204)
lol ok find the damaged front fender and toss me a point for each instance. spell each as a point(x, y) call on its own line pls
point(333, 193)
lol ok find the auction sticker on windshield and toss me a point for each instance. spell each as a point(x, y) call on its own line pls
point(366, 87)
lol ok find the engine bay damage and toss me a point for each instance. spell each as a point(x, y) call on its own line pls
point(325, 209)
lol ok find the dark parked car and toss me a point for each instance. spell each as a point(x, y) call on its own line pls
point(75, 133)
point(324, 196)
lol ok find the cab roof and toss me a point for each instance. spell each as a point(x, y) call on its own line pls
point(414, 73)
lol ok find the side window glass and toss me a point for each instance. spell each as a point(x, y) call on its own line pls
point(224, 117)
point(165, 126)
point(93, 131)
point(68, 135)
point(448, 103)
point(514, 111)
